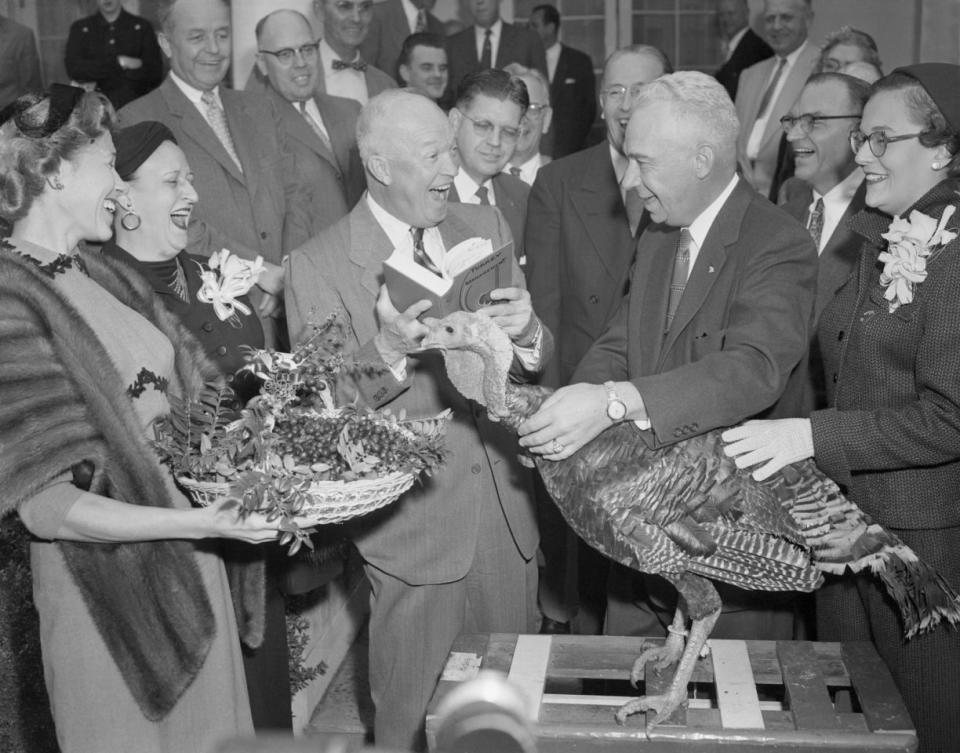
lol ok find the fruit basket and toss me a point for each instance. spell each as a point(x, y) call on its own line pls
point(296, 452)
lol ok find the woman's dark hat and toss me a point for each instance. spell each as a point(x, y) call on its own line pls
point(25, 114)
point(136, 143)
point(942, 82)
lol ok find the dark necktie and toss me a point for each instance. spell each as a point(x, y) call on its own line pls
point(765, 102)
point(681, 268)
point(634, 206)
point(815, 222)
point(420, 253)
point(342, 65)
point(421, 24)
point(482, 193)
point(515, 171)
point(486, 56)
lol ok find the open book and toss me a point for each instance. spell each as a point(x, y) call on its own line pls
point(471, 269)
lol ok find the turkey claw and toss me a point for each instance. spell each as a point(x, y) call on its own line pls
point(661, 656)
point(663, 705)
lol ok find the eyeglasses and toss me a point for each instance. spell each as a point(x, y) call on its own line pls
point(346, 6)
point(808, 121)
point(485, 129)
point(878, 140)
point(536, 109)
point(307, 53)
point(617, 93)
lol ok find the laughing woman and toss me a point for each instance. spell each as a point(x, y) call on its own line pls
point(138, 633)
point(891, 349)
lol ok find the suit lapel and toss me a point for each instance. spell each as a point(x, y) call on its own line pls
point(507, 203)
point(650, 290)
point(243, 138)
point(369, 246)
point(560, 74)
point(839, 256)
point(599, 207)
point(788, 94)
point(505, 48)
point(300, 131)
point(712, 256)
point(193, 125)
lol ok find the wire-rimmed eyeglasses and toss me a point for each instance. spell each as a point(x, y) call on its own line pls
point(286, 56)
point(484, 129)
point(808, 121)
point(878, 140)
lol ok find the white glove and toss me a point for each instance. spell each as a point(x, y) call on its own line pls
point(778, 443)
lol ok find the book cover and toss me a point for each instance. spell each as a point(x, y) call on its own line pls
point(471, 271)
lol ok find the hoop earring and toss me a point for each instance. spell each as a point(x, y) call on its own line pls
point(130, 221)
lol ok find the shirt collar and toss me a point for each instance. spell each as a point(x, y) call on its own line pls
point(328, 55)
point(494, 31)
point(192, 93)
point(620, 163)
point(467, 186)
point(411, 12)
point(792, 57)
point(843, 192)
point(397, 230)
point(554, 49)
point(704, 221)
point(735, 40)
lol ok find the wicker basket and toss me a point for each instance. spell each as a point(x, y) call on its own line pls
point(331, 501)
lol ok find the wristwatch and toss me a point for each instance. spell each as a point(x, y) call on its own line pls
point(616, 408)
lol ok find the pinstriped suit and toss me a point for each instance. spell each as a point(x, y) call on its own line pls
point(424, 553)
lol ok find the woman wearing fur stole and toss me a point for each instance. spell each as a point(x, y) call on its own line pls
point(138, 633)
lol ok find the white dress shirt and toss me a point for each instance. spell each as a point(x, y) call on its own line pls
point(314, 112)
point(620, 163)
point(479, 35)
point(467, 189)
point(760, 125)
point(528, 170)
point(835, 203)
point(411, 12)
point(194, 95)
point(348, 82)
point(553, 57)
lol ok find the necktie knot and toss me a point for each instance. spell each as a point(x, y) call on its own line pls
point(342, 65)
point(515, 171)
point(483, 193)
point(420, 253)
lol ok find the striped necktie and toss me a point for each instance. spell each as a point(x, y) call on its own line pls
point(815, 222)
point(421, 24)
point(314, 125)
point(420, 253)
point(486, 55)
point(217, 119)
point(681, 269)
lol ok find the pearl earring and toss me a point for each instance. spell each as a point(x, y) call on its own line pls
point(936, 165)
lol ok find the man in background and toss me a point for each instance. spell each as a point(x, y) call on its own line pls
point(235, 142)
point(422, 65)
point(491, 43)
point(19, 61)
point(769, 88)
point(527, 158)
point(393, 21)
point(322, 128)
point(344, 72)
point(740, 45)
point(572, 86)
point(114, 51)
point(580, 244)
point(486, 125)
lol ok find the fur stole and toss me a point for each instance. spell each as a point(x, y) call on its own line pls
point(63, 407)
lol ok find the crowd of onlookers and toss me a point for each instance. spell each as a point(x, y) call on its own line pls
point(652, 272)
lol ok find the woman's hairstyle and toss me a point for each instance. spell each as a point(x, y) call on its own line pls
point(936, 131)
point(855, 38)
point(37, 133)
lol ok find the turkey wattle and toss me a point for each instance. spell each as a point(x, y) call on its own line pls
point(686, 513)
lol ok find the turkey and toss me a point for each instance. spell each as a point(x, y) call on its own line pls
point(686, 513)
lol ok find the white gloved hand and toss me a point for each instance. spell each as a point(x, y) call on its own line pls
point(776, 443)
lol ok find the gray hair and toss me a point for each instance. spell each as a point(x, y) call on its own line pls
point(377, 124)
point(165, 9)
point(638, 49)
point(515, 69)
point(698, 98)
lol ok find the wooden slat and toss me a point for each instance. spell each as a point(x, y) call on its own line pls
point(805, 687)
point(736, 690)
point(883, 711)
point(528, 671)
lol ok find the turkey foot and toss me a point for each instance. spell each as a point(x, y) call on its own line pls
point(663, 655)
point(664, 705)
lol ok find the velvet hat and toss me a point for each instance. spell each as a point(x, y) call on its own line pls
point(136, 143)
point(942, 82)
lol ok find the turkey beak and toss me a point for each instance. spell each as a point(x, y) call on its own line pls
point(430, 341)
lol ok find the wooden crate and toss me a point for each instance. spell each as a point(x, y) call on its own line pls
point(749, 695)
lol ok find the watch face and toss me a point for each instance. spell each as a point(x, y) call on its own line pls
point(616, 410)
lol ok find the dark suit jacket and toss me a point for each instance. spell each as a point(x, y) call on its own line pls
point(890, 435)
point(19, 61)
point(323, 181)
point(743, 322)
point(517, 45)
point(573, 96)
point(388, 29)
point(750, 49)
point(806, 389)
point(430, 535)
point(259, 211)
point(511, 195)
point(579, 250)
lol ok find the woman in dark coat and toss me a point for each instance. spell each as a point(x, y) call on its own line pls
point(891, 346)
point(150, 235)
point(137, 629)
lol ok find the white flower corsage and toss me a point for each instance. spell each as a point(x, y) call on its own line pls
point(909, 245)
point(227, 278)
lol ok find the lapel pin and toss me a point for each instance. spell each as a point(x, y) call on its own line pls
point(710, 270)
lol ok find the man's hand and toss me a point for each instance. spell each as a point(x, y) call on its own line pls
point(128, 63)
point(776, 443)
point(566, 421)
point(511, 311)
point(400, 333)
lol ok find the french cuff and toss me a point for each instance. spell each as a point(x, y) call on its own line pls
point(399, 369)
point(530, 355)
point(643, 424)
